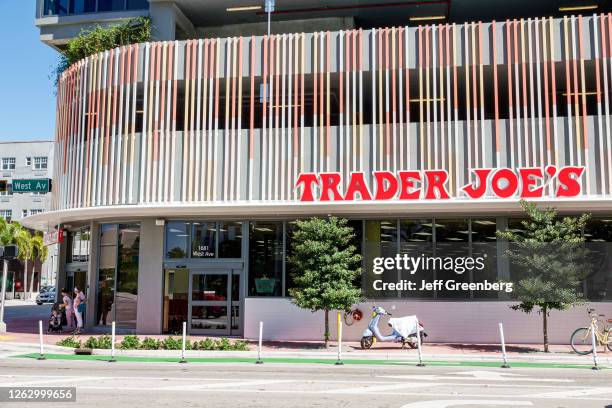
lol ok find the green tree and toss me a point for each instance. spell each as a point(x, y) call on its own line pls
point(325, 265)
point(549, 249)
point(8, 231)
point(40, 252)
point(12, 233)
point(23, 240)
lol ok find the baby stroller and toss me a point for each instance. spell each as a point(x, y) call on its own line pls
point(56, 320)
point(55, 323)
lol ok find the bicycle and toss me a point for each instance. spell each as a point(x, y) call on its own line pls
point(582, 341)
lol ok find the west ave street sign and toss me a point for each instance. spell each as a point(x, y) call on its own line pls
point(31, 186)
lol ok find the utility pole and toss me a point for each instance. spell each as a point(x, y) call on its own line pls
point(269, 8)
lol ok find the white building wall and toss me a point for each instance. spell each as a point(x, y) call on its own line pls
point(22, 204)
point(452, 322)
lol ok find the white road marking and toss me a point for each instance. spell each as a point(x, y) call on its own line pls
point(458, 403)
point(575, 393)
point(378, 388)
point(225, 385)
point(475, 375)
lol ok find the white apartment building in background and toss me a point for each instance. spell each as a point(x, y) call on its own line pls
point(27, 160)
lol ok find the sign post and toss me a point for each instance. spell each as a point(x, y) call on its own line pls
point(339, 360)
point(503, 346)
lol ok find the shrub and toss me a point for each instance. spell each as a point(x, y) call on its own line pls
point(170, 343)
point(130, 343)
point(240, 345)
point(102, 342)
point(69, 342)
point(98, 39)
point(223, 344)
point(206, 344)
point(150, 344)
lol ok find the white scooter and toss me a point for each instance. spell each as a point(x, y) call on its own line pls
point(404, 330)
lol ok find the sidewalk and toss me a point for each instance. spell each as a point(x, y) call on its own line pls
point(23, 338)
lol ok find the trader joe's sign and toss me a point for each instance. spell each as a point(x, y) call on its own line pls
point(31, 185)
point(526, 182)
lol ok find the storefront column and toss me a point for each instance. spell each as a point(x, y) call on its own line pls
point(92, 275)
point(60, 278)
point(150, 278)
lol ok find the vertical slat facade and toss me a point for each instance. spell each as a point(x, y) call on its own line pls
point(238, 119)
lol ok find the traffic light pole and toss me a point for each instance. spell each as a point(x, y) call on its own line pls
point(3, 295)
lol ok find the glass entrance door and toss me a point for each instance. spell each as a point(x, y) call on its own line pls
point(214, 301)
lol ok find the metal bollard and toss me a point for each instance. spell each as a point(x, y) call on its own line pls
point(339, 360)
point(184, 342)
point(421, 364)
point(503, 346)
point(259, 361)
point(40, 338)
point(594, 340)
point(112, 359)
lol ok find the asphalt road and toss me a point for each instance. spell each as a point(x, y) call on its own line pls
point(103, 384)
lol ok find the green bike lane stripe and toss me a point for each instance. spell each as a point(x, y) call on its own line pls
point(297, 360)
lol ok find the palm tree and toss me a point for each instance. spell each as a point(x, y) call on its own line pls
point(23, 240)
point(40, 252)
point(12, 233)
point(8, 231)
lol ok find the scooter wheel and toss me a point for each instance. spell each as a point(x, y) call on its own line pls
point(366, 342)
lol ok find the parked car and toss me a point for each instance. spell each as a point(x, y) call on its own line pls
point(46, 297)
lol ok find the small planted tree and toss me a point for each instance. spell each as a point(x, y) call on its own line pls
point(325, 267)
point(549, 249)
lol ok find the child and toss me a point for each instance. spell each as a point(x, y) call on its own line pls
point(55, 322)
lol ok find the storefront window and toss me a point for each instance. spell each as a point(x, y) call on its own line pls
point(598, 236)
point(106, 274)
point(381, 241)
point(206, 239)
point(78, 246)
point(265, 258)
point(118, 275)
point(416, 240)
point(517, 272)
point(203, 237)
point(126, 295)
point(484, 245)
point(230, 239)
point(452, 241)
point(177, 239)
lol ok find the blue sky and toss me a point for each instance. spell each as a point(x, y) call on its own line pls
point(27, 100)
